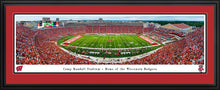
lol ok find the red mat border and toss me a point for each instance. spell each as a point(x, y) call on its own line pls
point(207, 78)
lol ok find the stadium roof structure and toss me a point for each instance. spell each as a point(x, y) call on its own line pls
point(181, 25)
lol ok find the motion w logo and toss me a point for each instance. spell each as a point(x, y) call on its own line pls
point(19, 68)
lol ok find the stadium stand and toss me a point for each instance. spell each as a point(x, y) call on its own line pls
point(185, 51)
point(175, 32)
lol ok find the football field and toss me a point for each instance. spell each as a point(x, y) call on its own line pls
point(93, 43)
point(110, 41)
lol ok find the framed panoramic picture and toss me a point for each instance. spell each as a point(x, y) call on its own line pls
point(109, 43)
point(128, 44)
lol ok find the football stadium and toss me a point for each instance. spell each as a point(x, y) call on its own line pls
point(108, 42)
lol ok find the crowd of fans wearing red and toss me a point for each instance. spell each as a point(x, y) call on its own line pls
point(26, 51)
point(175, 32)
point(162, 34)
point(158, 35)
point(189, 50)
point(38, 47)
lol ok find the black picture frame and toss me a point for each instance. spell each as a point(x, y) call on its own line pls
point(106, 3)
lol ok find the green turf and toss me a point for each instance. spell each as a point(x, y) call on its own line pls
point(118, 41)
point(64, 38)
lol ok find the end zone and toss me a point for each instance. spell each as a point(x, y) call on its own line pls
point(72, 40)
point(148, 40)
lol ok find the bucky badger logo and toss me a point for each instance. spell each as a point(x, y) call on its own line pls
point(19, 68)
point(200, 68)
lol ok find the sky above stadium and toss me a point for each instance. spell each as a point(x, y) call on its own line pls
point(157, 17)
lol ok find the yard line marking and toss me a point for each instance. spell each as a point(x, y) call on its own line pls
point(117, 41)
point(106, 42)
point(89, 41)
point(102, 39)
point(126, 39)
point(137, 39)
point(83, 41)
point(80, 41)
point(105, 38)
point(145, 43)
point(121, 41)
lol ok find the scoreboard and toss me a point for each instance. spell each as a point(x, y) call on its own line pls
point(47, 24)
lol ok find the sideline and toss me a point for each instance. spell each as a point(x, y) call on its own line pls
point(110, 60)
